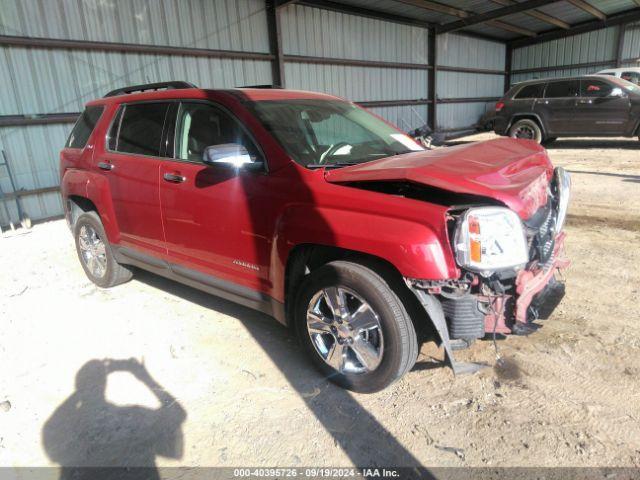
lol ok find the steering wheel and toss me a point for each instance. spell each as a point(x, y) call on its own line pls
point(331, 150)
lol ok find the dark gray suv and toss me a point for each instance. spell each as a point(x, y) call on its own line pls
point(592, 105)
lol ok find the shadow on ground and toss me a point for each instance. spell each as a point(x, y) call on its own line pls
point(356, 431)
point(88, 431)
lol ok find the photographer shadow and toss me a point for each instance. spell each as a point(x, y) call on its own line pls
point(87, 432)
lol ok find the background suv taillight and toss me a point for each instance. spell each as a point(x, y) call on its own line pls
point(499, 106)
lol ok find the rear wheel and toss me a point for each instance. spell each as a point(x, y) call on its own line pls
point(354, 327)
point(526, 129)
point(95, 253)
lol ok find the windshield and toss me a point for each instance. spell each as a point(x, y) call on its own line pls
point(318, 133)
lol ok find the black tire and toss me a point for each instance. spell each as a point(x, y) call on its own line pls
point(526, 125)
point(549, 140)
point(114, 274)
point(400, 343)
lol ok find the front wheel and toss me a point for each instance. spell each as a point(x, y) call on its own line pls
point(526, 129)
point(354, 327)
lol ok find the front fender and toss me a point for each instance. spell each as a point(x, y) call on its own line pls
point(94, 187)
point(413, 248)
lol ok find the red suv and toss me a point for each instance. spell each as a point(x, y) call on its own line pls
point(313, 210)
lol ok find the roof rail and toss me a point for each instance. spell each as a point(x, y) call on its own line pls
point(150, 86)
point(266, 85)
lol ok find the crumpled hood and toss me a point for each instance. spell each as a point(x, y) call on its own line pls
point(514, 172)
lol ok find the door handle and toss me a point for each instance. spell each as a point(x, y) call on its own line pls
point(585, 102)
point(105, 166)
point(174, 178)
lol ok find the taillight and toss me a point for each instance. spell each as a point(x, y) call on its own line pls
point(499, 106)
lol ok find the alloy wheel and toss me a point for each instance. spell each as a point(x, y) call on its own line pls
point(345, 331)
point(93, 251)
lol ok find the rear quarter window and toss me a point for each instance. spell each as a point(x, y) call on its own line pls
point(84, 126)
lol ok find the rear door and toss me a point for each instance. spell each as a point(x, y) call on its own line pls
point(131, 163)
point(558, 107)
point(600, 110)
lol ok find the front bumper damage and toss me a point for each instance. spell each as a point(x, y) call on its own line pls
point(533, 295)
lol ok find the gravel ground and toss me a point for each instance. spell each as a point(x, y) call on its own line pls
point(154, 372)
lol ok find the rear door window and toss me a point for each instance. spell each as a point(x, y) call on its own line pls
point(531, 91)
point(563, 89)
point(595, 88)
point(84, 126)
point(139, 129)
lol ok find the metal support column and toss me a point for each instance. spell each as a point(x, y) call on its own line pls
point(433, 75)
point(507, 67)
point(620, 46)
point(275, 42)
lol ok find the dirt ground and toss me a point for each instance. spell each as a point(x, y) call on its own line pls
point(239, 391)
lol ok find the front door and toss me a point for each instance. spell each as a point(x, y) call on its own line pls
point(131, 163)
point(212, 213)
point(602, 109)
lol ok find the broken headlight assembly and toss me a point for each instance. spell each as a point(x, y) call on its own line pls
point(488, 239)
point(563, 192)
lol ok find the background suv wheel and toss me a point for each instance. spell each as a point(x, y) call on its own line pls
point(354, 327)
point(95, 253)
point(527, 129)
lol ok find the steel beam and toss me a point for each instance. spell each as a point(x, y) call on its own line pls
point(26, 193)
point(456, 12)
point(508, 59)
point(485, 71)
point(468, 100)
point(393, 103)
point(494, 14)
point(603, 63)
point(432, 84)
point(587, 7)
point(364, 12)
point(53, 43)
point(380, 64)
point(537, 14)
point(275, 43)
point(354, 63)
point(620, 44)
point(40, 119)
point(627, 16)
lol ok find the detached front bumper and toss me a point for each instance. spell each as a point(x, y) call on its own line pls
point(536, 292)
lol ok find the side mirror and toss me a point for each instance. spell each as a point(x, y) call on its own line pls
point(231, 155)
point(616, 92)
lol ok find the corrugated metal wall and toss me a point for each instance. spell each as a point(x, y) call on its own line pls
point(308, 31)
point(631, 47)
point(462, 51)
point(596, 46)
point(38, 81)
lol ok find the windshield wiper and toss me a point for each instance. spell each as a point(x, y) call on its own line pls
point(314, 166)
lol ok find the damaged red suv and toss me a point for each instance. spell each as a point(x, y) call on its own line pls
point(311, 209)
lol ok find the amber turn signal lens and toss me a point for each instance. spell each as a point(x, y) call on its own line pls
point(476, 251)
